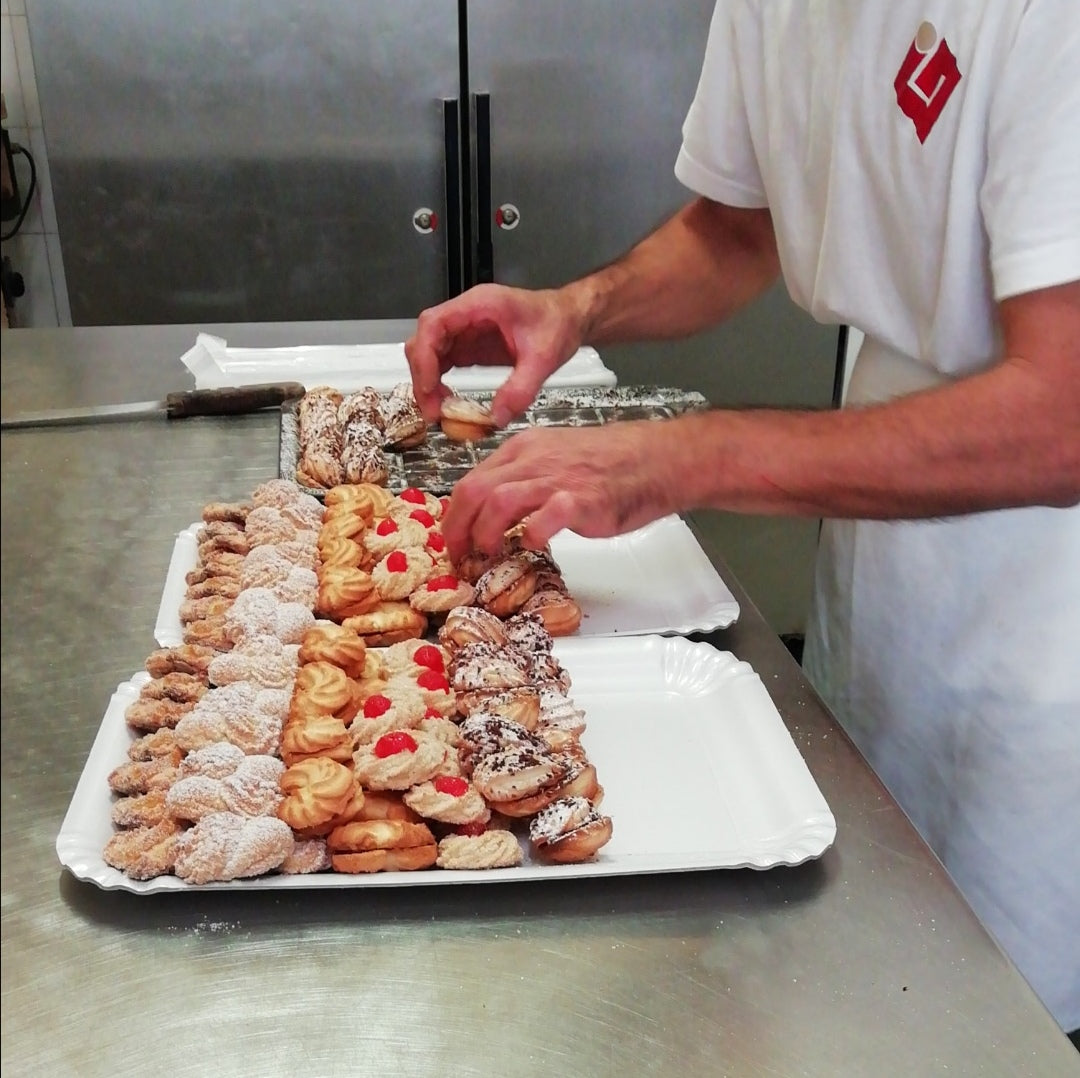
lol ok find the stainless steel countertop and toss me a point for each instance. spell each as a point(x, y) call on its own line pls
point(864, 962)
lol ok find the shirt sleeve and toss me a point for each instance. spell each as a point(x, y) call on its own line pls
point(1030, 199)
point(717, 158)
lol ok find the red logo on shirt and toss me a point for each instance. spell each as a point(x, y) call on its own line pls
point(926, 80)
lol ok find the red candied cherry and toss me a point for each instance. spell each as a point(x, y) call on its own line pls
point(445, 503)
point(432, 713)
point(386, 527)
point(393, 743)
point(376, 705)
point(433, 681)
point(436, 542)
point(477, 827)
point(430, 656)
point(454, 785)
point(396, 562)
point(423, 517)
point(442, 583)
point(414, 495)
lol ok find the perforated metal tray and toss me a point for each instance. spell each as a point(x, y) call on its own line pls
point(439, 463)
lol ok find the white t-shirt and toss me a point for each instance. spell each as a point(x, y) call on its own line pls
point(921, 160)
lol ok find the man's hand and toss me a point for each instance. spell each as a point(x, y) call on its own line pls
point(534, 332)
point(595, 481)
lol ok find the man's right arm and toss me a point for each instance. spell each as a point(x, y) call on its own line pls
point(694, 271)
point(700, 266)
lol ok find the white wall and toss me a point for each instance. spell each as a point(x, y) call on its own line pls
point(35, 249)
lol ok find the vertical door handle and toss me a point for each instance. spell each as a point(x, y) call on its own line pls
point(485, 255)
point(452, 159)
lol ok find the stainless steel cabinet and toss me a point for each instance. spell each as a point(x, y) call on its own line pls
point(240, 161)
point(252, 161)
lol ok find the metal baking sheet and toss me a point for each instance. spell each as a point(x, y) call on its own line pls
point(439, 463)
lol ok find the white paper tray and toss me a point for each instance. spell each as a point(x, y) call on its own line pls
point(698, 769)
point(347, 367)
point(653, 580)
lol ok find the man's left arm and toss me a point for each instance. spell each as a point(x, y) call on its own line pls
point(1005, 437)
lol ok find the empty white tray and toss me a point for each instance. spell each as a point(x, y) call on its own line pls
point(347, 367)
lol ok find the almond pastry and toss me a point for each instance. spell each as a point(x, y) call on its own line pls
point(315, 790)
point(142, 776)
point(362, 836)
point(580, 781)
point(159, 743)
point(250, 790)
point(403, 860)
point(323, 686)
point(398, 760)
point(140, 810)
point(465, 420)
point(505, 588)
point(471, 625)
point(359, 405)
point(227, 586)
point(364, 464)
point(315, 735)
point(569, 831)
point(150, 715)
point(241, 714)
point(344, 591)
point(389, 534)
point(516, 773)
point(343, 524)
point(262, 660)
point(560, 612)
point(211, 606)
point(268, 524)
point(143, 853)
point(308, 855)
point(224, 846)
point(411, 499)
point(337, 645)
point(401, 572)
point(388, 623)
point(277, 492)
point(234, 512)
point(448, 799)
point(381, 846)
point(442, 593)
point(491, 849)
point(207, 631)
point(402, 421)
point(380, 713)
point(183, 688)
point(340, 550)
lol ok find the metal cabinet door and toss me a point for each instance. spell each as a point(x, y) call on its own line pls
point(239, 160)
point(586, 109)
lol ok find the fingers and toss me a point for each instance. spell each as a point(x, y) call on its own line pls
point(558, 513)
point(488, 501)
point(424, 351)
point(516, 393)
point(490, 325)
point(548, 478)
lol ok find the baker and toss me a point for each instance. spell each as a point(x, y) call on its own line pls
point(911, 169)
